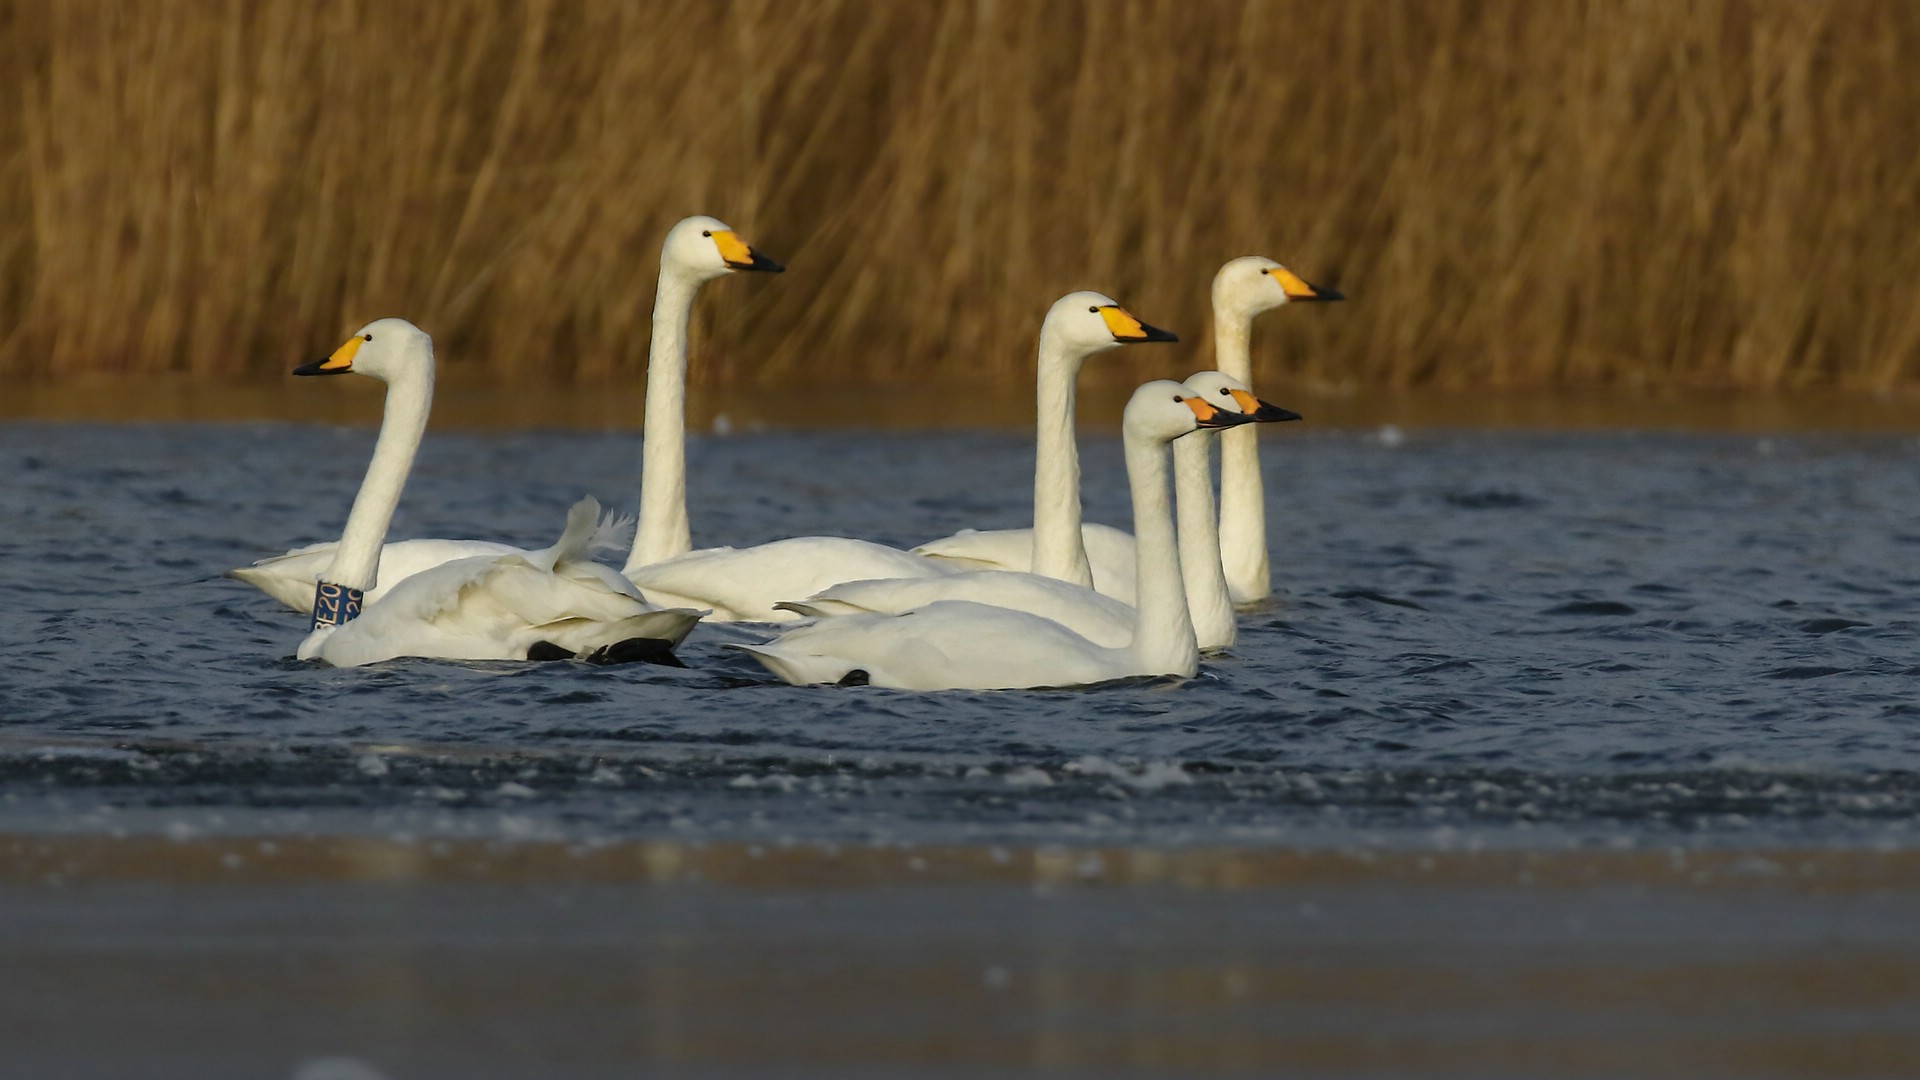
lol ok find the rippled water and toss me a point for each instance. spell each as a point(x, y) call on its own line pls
point(1481, 638)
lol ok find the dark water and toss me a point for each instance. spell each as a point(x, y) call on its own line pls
point(1558, 755)
point(1606, 637)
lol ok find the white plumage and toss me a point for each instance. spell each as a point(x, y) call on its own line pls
point(497, 606)
point(960, 644)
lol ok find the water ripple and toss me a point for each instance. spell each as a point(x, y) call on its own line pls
point(1630, 637)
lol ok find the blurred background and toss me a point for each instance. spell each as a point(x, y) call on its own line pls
point(1620, 193)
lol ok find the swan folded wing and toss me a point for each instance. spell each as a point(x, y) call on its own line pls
point(1110, 553)
point(984, 549)
point(949, 645)
point(744, 584)
point(1100, 619)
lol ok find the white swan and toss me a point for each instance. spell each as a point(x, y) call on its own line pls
point(959, 644)
point(1208, 601)
point(1060, 545)
point(1251, 285)
point(696, 251)
point(517, 606)
point(1099, 618)
point(750, 584)
point(1243, 289)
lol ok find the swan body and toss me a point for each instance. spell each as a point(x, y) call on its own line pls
point(1060, 545)
point(1093, 615)
point(1243, 289)
point(961, 644)
point(1109, 554)
point(749, 584)
point(502, 606)
point(1100, 619)
point(508, 607)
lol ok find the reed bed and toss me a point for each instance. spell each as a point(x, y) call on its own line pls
point(1512, 192)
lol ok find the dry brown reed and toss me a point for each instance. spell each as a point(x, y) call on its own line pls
point(1512, 192)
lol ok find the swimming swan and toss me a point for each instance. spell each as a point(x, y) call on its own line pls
point(697, 250)
point(959, 644)
point(750, 584)
point(516, 606)
point(1243, 289)
point(736, 584)
point(1059, 545)
point(1096, 617)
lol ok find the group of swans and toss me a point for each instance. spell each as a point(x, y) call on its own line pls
point(1053, 605)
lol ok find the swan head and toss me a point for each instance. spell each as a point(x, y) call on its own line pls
point(1252, 284)
point(387, 349)
point(1084, 323)
point(1228, 392)
point(1164, 410)
point(706, 248)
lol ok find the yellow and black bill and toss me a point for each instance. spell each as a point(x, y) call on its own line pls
point(1129, 330)
point(1262, 412)
point(739, 256)
point(340, 363)
point(1212, 416)
point(1298, 288)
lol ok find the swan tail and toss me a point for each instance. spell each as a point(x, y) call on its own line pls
point(796, 667)
point(614, 532)
point(576, 541)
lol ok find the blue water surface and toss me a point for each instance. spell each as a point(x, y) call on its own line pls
point(1478, 637)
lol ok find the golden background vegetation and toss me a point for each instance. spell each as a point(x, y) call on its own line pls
point(1523, 193)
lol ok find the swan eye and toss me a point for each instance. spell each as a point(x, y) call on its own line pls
point(1095, 309)
point(1224, 392)
point(369, 337)
point(706, 232)
point(1177, 397)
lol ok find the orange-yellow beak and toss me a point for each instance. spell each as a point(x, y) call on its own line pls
point(1128, 330)
point(339, 363)
point(739, 256)
point(1297, 288)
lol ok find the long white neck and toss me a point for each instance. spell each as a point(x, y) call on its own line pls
point(1206, 584)
point(356, 562)
point(1163, 641)
point(663, 531)
point(1059, 551)
point(1243, 503)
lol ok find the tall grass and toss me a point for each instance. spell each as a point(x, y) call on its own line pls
point(1512, 192)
